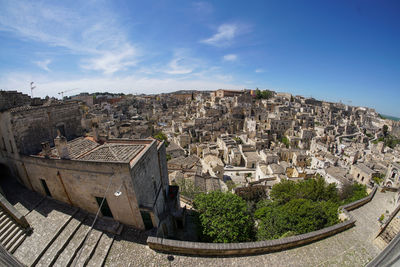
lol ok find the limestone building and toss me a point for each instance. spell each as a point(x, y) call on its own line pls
point(38, 145)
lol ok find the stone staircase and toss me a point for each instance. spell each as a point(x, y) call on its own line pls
point(69, 248)
point(389, 233)
point(11, 233)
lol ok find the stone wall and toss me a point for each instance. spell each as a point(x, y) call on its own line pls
point(12, 99)
point(221, 249)
point(33, 125)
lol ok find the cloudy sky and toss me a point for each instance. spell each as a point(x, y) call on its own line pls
point(332, 50)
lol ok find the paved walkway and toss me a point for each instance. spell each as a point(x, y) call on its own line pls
point(353, 247)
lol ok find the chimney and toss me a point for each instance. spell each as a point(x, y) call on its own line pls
point(46, 149)
point(62, 148)
point(95, 129)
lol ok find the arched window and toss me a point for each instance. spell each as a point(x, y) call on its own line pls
point(394, 173)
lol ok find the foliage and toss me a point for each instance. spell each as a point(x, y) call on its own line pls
point(238, 140)
point(162, 137)
point(313, 189)
point(265, 94)
point(168, 157)
point(385, 129)
point(378, 178)
point(188, 189)
point(298, 216)
point(231, 185)
point(352, 192)
point(285, 141)
point(223, 217)
point(388, 140)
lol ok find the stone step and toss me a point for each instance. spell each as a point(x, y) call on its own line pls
point(6, 226)
point(12, 226)
point(15, 238)
point(4, 222)
point(12, 234)
point(88, 248)
point(102, 249)
point(17, 243)
point(68, 254)
point(3, 216)
point(59, 244)
point(48, 221)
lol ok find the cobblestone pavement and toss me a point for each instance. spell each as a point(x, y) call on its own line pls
point(353, 247)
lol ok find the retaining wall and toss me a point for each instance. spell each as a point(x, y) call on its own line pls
point(222, 249)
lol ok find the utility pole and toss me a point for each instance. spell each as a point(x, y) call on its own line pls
point(32, 87)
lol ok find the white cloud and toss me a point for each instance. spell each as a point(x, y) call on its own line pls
point(230, 57)
point(176, 66)
point(224, 35)
point(112, 61)
point(259, 70)
point(44, 64)
point(45, 85)
point(91, 30)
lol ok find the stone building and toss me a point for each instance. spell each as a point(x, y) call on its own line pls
point(131, 174)
point(392, 178)
point(362, 173)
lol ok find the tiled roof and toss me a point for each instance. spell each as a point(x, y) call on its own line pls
point(78, 147)
point(113, 152)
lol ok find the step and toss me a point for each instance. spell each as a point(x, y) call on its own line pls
point(14, 239)
point(68, 254)
point(9, 230)
point(5, 226)
point(46, 230)
point(88, 248)
point(17, 243)
point(2, 216)
point(102, 249)
point(59, 244)
point(4, 221)
point(11, 235)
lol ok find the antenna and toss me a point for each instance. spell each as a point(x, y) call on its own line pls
point(32, 87)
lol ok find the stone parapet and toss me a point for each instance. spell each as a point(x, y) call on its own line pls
point(248, 248)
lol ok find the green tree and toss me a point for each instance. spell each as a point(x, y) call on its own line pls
point(315, 189)
point(352, 192)
point(285, 141)
point(385, 129)
point(223, 217)
point(297, 216)
point(162, 137)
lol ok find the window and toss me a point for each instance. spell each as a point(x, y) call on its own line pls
point(358, 175)
point(362, 179)
point(45, 187)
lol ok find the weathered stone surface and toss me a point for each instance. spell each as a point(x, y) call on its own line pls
point(46, 220)
point(353, 247)
point(62, 240)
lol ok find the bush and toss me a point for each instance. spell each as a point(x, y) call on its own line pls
point(313, 189)
point(224, 218)
point(298, 216)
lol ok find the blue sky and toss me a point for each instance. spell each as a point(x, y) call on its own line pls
point(332, 50)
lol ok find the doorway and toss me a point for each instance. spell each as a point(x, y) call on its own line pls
point(105, 209)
